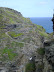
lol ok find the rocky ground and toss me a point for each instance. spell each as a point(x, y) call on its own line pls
point(22, 44)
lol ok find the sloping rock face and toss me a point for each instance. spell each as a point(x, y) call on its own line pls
point(19, 40)
point(11, 16)
point(49, 52)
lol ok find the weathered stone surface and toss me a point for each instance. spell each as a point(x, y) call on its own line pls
point(19, 40)
point(49, 52)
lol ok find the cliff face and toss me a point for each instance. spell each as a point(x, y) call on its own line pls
point(49, 53)
point(19, 40)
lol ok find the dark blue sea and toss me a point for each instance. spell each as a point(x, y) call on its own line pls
point(43, 21)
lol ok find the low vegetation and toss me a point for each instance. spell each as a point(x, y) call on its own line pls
point(13, 34)
point(14, 40)
point(41, 51)
point(17, 44)
point(8, 53)
point(43, 34)
point(10, 16)
point(30, 67)
point(27, 40)
point(40, 28)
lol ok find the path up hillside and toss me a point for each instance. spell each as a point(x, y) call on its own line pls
point(19, 38)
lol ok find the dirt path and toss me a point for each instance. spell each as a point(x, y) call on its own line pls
point(12, 38)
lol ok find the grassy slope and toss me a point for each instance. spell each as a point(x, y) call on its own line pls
point(9, 48)
point(10, 16)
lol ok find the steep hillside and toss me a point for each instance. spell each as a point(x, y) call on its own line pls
point(19, 38)
point(10, 16)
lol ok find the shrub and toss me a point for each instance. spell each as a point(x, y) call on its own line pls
point(41, 51)
point(30, 67)
point(40, 66)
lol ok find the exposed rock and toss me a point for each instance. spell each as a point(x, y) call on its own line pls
point(49, 52)
point(19, 41)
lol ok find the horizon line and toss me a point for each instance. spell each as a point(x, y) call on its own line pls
point(29, 17)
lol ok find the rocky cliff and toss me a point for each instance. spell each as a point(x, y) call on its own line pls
point(49, 53)
point(10, 16)
point(21, 43)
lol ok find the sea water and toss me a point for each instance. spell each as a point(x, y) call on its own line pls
point(43, 21)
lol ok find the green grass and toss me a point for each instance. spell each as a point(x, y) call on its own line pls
point(2, 34)
point(40, 28)
point(17, 44)
point(2, 26)
point(26, 39)
point(11, 20)
point(7, 47)
point(10, 16)
point(30, 31)
point(13, 34)
point(26, 20)
point(9, 52)
point(1, 17)
point(30, 67)
point(41, 51)
point(43, 33)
